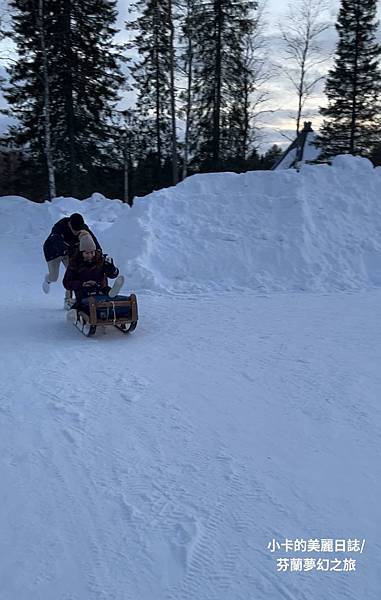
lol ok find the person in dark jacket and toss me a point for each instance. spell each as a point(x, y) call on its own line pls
point(89, 269)
point(62, 243)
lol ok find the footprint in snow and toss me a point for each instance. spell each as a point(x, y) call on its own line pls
point(184, 536)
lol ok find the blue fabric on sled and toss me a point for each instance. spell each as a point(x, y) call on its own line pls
point(108, 314)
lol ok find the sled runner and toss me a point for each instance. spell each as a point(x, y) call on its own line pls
point(120, 312)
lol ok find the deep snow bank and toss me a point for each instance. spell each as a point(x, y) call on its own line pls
point(317, 230)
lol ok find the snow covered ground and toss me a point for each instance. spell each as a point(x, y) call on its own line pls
point(244, 410)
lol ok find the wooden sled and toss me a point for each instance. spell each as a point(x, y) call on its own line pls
point(105, 313)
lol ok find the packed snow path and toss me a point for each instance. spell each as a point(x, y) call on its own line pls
point(160, 466)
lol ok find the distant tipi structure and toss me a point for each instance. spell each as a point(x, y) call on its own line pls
point(302, 150)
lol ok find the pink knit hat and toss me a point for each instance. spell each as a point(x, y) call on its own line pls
point(86, 242)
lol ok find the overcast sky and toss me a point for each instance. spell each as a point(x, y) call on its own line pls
point(276, 126)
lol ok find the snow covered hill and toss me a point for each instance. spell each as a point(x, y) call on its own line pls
point(243, 411)
point(316, 230)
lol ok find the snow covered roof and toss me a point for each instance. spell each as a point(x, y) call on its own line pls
point(302, 149)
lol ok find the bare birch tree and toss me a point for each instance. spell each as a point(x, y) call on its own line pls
point(300, 31)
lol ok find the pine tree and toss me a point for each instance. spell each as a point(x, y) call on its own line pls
point(237, 133)
point(253, 161)
point(221, 80)
point(153, 75)
point(375, 155)
point(352, 117)
point(271, 157)
point(82, 63)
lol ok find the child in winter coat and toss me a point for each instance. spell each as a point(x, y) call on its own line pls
point(89, 269)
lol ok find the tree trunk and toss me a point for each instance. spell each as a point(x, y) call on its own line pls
point(157, 108)
point(46, 104)
point(126, 191)
point(188, 97)
point(302, 78)
point(217, 84)
point(69, 101)
point(352, 146)
point(175, 174)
